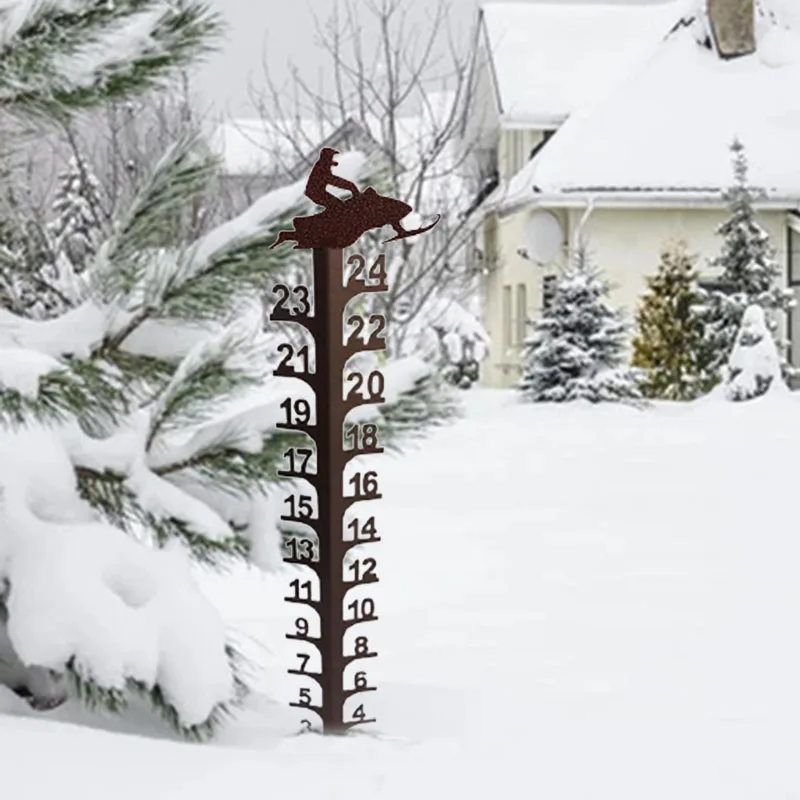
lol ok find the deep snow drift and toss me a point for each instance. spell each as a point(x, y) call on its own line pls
point(575, 602)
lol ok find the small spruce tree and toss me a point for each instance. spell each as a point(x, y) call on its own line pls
point(77, 225)
point(576, 350)
point(748, 271)
point(754, 367)
point(668, 345)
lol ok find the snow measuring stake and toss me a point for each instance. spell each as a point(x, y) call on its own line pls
point(328, 234)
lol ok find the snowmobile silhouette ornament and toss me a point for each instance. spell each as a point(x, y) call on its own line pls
point(335, 546)
point(343, 222)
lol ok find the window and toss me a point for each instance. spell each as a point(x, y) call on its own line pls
point(794, 257)
point(522, 312)
point(793, 317)
point(548, 291)
point(486, 158)
point(490, 242)
point(507, 321)
point(516, 151)
point(520, 151)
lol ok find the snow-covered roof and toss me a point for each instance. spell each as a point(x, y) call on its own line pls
point(252, 145)
point(550, 58)
point(667, 128)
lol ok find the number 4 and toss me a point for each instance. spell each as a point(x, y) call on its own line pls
point(377, 272)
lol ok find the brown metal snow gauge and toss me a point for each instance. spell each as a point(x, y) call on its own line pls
point(328, 234)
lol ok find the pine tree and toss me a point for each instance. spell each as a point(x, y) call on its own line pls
point(78, 224)
point(668, 345)
point(577, 348)
point(748, 271)
point(754, 367)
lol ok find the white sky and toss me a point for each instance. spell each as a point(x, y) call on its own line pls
point(276, 31)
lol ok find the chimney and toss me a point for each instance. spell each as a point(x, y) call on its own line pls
point(732, 27)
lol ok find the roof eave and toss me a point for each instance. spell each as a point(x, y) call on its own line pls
point(633, 200)
point(509, 123)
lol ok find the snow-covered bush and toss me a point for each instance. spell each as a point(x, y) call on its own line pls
point(462, 356)
point(447, 334)
point(754, 367)
point(577, 347)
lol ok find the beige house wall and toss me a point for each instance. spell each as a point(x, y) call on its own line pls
point(624, 243)
point(512, 293)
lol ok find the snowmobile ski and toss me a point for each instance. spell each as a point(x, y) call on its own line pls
point(403, 234)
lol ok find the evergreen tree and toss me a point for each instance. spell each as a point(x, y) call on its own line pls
point(748, 272)
point(668, 345)
point(754, 367)
point(77, 226)
point(577, 348)
point(28, 276)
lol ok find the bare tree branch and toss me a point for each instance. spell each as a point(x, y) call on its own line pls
point(381, 70)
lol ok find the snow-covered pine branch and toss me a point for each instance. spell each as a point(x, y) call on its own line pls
point(64, 56)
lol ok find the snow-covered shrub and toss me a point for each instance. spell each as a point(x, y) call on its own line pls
point(754, 367)
point(448, 335)
point(462, 357)
point(576, 350)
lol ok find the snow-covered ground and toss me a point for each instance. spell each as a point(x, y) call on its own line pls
point(575, 602)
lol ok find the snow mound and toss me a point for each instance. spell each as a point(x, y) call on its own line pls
point(778, 48)
point(754, 367)
point(21, 369)
point(83, 590)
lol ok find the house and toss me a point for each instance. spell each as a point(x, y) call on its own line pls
point(614, 123)
point(259, 155)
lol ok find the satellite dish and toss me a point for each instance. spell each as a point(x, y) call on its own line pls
point(544, 237)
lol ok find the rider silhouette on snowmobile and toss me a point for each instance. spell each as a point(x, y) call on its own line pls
point(343, 221)
point(322, 176)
